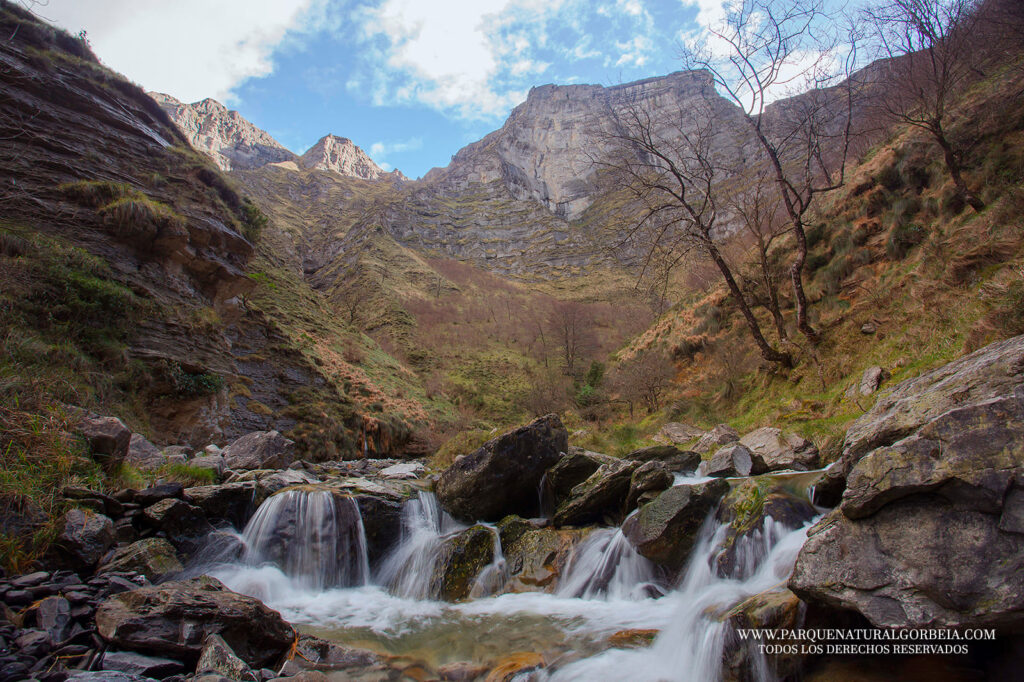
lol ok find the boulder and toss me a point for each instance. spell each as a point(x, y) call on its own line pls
point(404, 471)
point(460, 561)
point(217, 657)
point(144, 455)
point(571, 470)
point(214, 463)
point(502, 476)
point(733, 459)
point(536, 557)
point(649, 479)
point(665, 529)
point(85, 537)
point(602, 495)
point(870, 381)
point(774, 450)
point(930, 531)
point(772, 610)
point(156, 493)
point(139, 664)
point(175, 618)
point(154, 558)
point(313, 654)
point(677, 433)
point(681, 461)
point(233, 503)
point(269, 483)
point(183, 524)
point(382, 525)
point(108, 438)
point(720, 435)
point(260, 450)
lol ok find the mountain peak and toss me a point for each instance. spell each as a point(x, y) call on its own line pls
point(341, 155)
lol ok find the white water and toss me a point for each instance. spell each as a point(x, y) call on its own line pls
point(606, 587)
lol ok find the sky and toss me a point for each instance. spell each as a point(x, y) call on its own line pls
point(409, 81)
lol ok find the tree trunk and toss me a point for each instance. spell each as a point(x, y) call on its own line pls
point(773, 294)
point(953, 166)
point(796, 273)
point(767, 352)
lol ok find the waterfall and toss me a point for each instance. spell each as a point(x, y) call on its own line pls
point(690, 647)
point(409, 570)
point(313, 538)
point(493, 578)
point(607, 566)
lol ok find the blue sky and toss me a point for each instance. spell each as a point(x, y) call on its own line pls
point(410, 81)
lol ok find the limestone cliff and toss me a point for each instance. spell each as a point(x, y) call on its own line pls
point(341, 155)
point(223, 135)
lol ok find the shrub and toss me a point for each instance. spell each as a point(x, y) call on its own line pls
point(253, 221)
point(902, 238)
point(141, 216)
point(187, 383)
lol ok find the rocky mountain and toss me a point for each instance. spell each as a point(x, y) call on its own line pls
point(222, 134)
point(341, 155)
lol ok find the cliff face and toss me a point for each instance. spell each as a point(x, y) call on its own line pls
point(341, 155)
point(547, 149)
point(224, 135)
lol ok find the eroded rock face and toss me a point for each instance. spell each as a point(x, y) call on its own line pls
point(929, 531)
point(232, 502)
point(174, 619)
point(665, 529)
point(502, 477)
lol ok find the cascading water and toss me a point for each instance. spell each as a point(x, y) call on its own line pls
point(408, 571)
point(494, 576)
point(606, 566)
point(313, 538)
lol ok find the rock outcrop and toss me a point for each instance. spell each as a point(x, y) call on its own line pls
point(774, 450)
point(503, 476)
point(341, 155)
point(930, 531)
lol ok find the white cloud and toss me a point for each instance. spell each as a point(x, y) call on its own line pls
point(634, 51)
point(190, 49)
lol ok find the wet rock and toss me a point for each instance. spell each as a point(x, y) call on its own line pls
point(217, 657)
point(183, 524)
point(405, 470)
point(108, 438)
point(502, 477)
point(260, 450)
point(154, 558)
point(732, 459)
point(462, 671)
point(677, 433)
point(929, 530)
point(774, 450)
point(460, 561)
point(139, 664)
point(681, 461)
point(231, 502)
point(649, 479)
point(382, 525)
point(106, 676)
point(536, 557)
point(512, 666)
point(665, 529)
point(571, 470)
point(157, 493)
point(84, 538)
point(773, 610)
point(268, 484)
point(174, 619)
point(315, 654)
point(602, 495)
point(30, 580)
point(827, 489)
point(633, 639)
point(34, 643)
point(720, 435)
point(144, 455)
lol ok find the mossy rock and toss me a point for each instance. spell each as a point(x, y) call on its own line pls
point(461, 560)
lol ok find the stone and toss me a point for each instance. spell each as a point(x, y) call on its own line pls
point(30, 580)
point(53, 616)
point(602, 495)
point(214, 463)
point(633, 639)
point(260, 450)
point(382, 525)
point(85, 537)
point(536, 557)
point(772, 610)
point(732, 459)
point(405, 470)
point(871, 380)
point(184, 525)
point(461, 671)
point(154, 558)
point(868, 328)
point(460, 561)
point(106, 676)
point(108, 438)
point(313, 654)
point(665, 529)
point(571, 470)
point(776, 450)
point(230, 502)
point(928, 533)
point(217, 657)
point(649, 479)
point(267, 485)
point(109, 506)
point(157, 493)
point(678, 433)
point(680, 461)
point(720, 435)
point(139, 664)
point(502, 477)
point(143, 455)
point(175, 618)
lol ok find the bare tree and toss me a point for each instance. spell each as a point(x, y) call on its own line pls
point(762, 49)
point(643, 379)
point(573, 328)
point(930, 46)
point(673, 165)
